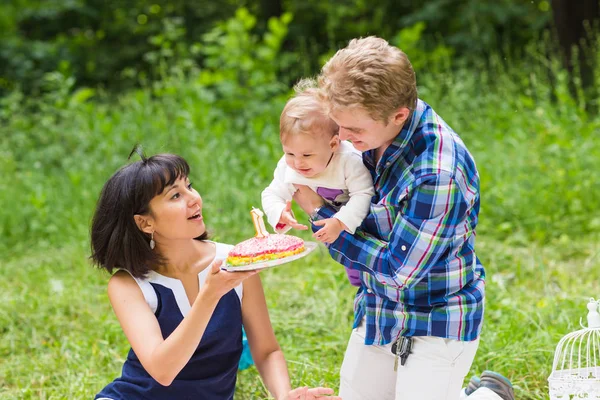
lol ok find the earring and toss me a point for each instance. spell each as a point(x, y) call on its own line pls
point(152, 243)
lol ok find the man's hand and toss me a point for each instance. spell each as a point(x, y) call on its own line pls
point(330, 231)
point(287, 218)
point(307, 199)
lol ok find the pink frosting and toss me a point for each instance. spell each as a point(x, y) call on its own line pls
point(276, 243)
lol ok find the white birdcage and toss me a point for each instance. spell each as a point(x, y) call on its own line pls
point(576, 368)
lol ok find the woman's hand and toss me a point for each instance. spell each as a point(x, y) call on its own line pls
point(219, 282)
point(306, 393)
point(307, 199)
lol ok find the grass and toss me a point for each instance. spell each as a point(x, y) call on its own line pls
point(536, 149)
point(60, 338)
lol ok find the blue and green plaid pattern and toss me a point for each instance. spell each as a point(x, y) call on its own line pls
point(416, 248)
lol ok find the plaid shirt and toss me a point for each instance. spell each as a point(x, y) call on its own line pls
point(415, 250)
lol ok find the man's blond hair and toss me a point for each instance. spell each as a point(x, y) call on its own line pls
point(371, 74)
point(305, 113)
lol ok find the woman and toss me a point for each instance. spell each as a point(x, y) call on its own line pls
point(181, 313)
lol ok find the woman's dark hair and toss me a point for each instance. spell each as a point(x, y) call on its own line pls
point(116, 240)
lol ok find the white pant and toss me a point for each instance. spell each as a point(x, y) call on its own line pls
point(435, 370)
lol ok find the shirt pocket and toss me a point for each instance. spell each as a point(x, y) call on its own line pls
point(380, 221)
point(382, 215)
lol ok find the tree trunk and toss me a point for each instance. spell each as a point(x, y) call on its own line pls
point(270, 8)
point(570, 18)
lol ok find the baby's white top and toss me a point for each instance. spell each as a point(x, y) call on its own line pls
point(345, 172)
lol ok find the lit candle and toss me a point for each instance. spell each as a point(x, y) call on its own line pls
point(259, 223)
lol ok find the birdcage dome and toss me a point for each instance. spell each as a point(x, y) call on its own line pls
point(576, 368)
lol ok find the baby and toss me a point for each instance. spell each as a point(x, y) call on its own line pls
point(315, 157)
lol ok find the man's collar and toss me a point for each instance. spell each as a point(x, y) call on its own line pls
point(397, 146)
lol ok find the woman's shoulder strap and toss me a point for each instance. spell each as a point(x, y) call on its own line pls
point(147, 290)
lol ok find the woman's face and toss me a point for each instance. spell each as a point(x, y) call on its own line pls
point(176, 213)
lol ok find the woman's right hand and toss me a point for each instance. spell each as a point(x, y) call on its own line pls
point(219, 282)
point(306, 393)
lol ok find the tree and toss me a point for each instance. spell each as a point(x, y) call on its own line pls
point(575, 28)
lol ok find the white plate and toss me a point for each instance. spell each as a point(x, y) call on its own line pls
point(308, 247)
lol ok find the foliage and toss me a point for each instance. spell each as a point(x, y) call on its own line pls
point(223, 104)
point(113, 43)
point(481, 27)
point(546, 139)
point(471, 28)
point(118, 44)
point(238, 68)
point(432, 61)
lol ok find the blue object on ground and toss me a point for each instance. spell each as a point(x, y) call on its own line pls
point(246, 360)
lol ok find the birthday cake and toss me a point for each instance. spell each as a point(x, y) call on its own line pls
point(264, 246)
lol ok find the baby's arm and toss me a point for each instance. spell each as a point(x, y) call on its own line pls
point(276, 202)
point(360, 189)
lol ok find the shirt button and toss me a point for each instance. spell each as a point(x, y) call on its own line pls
point(403, 248)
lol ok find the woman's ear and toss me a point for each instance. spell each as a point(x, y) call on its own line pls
point(145, 223)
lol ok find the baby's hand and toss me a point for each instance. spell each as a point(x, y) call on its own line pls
point(287, 218)
point(331, 229)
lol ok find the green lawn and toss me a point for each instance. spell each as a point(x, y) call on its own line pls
point(60, 339)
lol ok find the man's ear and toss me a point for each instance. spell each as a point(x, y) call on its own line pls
point(400, 116)
point(145, 223)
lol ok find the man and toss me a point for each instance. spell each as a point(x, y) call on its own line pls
point(419, 309)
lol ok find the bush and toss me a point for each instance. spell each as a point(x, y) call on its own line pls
point(120, 44)
point(536, 148)
point(60, 148)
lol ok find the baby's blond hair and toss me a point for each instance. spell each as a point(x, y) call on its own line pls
point(305, 113)
point(371, 74)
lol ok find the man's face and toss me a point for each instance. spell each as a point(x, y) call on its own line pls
point(309, 154)
point(365, 133)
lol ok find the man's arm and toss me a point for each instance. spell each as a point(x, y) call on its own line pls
point(360, 189)
point(422, 232)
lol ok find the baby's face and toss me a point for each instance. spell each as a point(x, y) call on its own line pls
point(309, 154)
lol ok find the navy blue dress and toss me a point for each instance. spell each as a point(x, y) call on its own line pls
point(211, 372)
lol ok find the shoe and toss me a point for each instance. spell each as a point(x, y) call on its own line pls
point(498, 384)
point(473, 385)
